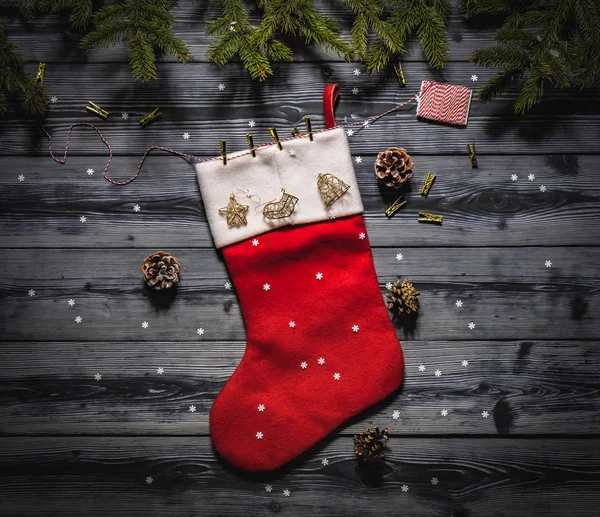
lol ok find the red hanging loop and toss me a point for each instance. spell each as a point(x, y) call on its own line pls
point(330, 95)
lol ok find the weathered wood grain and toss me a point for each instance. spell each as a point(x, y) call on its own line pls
point(52, 40)
point(481, 207)
point(508, 293)
point(192, 103)
point(476, 476)
point(527, 387)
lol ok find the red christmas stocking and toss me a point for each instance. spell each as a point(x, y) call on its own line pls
point(320, 344)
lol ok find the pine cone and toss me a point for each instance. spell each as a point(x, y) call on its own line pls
point(161, 270)
point(404, 298)
point(369, 446)
point(393, 166)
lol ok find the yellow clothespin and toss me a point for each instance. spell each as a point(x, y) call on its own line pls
point(400, 75)
point(426, 217)
point(97, 110)
point(39, 77)
point(428, 182)
point(308, 128)
point(396, 205)
point(273, 132)
point(224, 151)
point(151, 117)
point(296, 133)
point(251, 145)
point(472, 156)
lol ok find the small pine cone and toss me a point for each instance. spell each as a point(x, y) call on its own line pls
point(369, 445)
point(404, 298)
point(161, 270)
point(393, 166)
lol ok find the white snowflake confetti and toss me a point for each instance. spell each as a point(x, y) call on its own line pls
point(474, 78)
point(232, 25)
point(354, 91)
point(554, 53)
point(362, 236)
point(200, 331)
point(90, 172)
point(465, 363)
point(259, 436)
point(160, 370)
point(83, 219)
point(399, 256)
point(227, 285)
point(78, 319)
point(97, 376)
point(421, 367)
point(542, 188)
point(136, 208)
point(471, 326)
point(304, 365)
point(319, 276)
point(514, 177)
point(459, 303)
point(268, 488)
point(54, 99)
point(321, 360)
point(485, 414)
point(350, 132)
point(221, 87)
point(325, 462)
point(21, 177)
point(292, 153)
point(251, 123)
point(286, 493)
point(366, 124)
point(144, 324)
point(438, 373)
point(336, 376)
point(531, 177)
point(358, 159)
point(389, 285)
point(261, 407)
point(71, 302)
point(444, 412)
point(292, 324)
point(404, 488)
point(434, 481)
point(31, 292)
point(124, 116)
point(192, 409)
point(548, 263)
point(186, 136)
point(355, 328)
point(266, 287)
point(149, 480)
point(356, 71)
point(255, 242)
point(396, 415)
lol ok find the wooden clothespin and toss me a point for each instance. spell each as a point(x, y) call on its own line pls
point(426, 217)
point(428, 182)
point(296, 133)
point(224, 151)
point(97, 110)
point(41, 72)
point(400, 75)
point(251, 145)
point(308, 128)
point(151, 117)
point(273, 132)
point(472, 156)
point(396, 205)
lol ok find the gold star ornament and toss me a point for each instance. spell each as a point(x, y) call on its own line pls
point(235, 213)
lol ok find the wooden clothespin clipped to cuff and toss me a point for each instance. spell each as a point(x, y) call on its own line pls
point(308, 128)
point(273, 132)
point(151, 117)
point(428, 183)
point(426, 217)
point(223, 144)
point(251, 144)
point(472, 155)
point(396, 205)
point(400, 75)
point(97, 110)
point(41, 72)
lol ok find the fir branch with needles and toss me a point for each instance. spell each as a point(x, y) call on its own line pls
point(541, 43)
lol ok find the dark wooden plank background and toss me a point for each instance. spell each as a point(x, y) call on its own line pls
point(127, 444)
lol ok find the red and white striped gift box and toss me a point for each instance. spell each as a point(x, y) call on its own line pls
point(444, 102)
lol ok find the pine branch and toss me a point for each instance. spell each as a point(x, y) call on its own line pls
point(144, 26)
point(432, 36)
point(81, 14)
point(531, 92)
point(497, 84)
